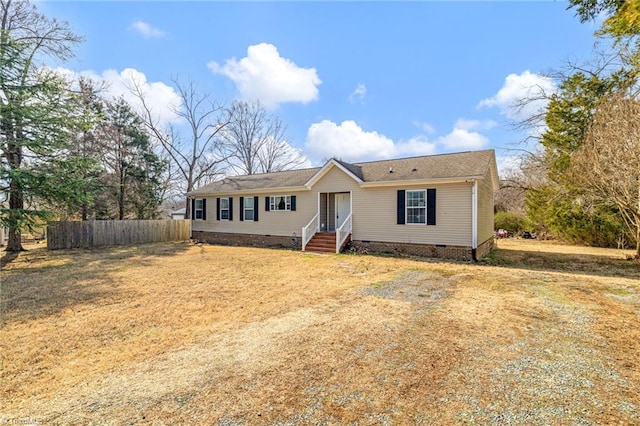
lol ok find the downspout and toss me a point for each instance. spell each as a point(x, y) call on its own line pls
point(474, 220)
point(190, 221)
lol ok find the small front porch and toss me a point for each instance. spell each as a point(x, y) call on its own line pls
point(325, 242)
point(329, 231)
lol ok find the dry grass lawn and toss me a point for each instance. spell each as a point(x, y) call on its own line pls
point(538, 333)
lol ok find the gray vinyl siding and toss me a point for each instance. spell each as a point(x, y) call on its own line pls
point(373, 213)
point(485, 209)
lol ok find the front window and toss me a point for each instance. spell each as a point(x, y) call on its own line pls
point(280, 202)
point(224, 209)
point(416, 206)
point(199, 209)
point(248, 208)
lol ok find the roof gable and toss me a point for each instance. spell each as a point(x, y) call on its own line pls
point(347, 168)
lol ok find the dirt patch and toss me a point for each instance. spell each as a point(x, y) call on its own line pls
point(422, 288)
point(166, 334)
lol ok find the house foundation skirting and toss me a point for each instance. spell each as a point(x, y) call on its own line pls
point(485, 248)
point(437, 251)
point(295, 243)
point(231, 239)
point(422, 250)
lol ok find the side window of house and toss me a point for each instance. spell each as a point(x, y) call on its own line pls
point(224, 209)
point(281, 203)
point(199, 209)
point(249, 209)
point(416, 206)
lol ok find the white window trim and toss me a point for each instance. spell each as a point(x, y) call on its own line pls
point(223, 209)
point(407, 207)
point(272, 203)
point(251, 209)
point(196, 209)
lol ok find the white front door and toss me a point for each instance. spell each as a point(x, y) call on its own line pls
point(343, 208)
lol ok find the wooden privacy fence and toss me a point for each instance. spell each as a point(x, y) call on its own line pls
point(97, 233)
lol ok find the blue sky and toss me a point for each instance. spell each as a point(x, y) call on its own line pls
point(356, 80)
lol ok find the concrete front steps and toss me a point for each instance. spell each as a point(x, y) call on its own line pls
point(324, 242)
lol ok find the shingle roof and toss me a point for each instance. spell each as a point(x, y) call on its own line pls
point(432, 167)
point(286, 179)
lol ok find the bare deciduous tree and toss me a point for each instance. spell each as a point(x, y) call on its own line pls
point(196, 157)
point(608, 164)
point(255, 141)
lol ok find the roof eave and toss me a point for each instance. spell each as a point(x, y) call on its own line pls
point(196, 194)
point(407, 182)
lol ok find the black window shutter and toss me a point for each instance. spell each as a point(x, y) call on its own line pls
point(255, 208)
point(267, 204)
point(193, 208)
point(217, 208)
point(431, 206)
point(293, 203)
point(400, 207)
point(230, 208)
point(241, 209)
point(204, 209)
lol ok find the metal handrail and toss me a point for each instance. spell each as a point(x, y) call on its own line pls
point(339, 239)
point(306, 235)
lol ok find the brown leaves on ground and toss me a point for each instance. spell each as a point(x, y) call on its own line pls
point(174, 333)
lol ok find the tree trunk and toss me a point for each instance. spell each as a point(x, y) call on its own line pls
point(121, 202)
point(187, 210)
point(16, 196)
point(190, 185)
point(121, 188)
point(16, 205)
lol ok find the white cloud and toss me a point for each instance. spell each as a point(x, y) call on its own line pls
point(161, 97)
point(417, 145)
point(464, 124)
point(358, 95)
point(533, 88)
point(350, 142)
point(266, 76)
point(347, 141)
point(146, 30)
point(461, 139)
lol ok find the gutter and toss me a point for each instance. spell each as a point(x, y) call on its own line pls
point(190, 221)
point(196, 194)
point(408, 182)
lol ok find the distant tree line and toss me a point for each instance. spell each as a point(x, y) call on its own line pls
point(68, 150)
point(583, 183)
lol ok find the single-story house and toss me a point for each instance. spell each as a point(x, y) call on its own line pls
point(433, 206)
point(178, 214)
